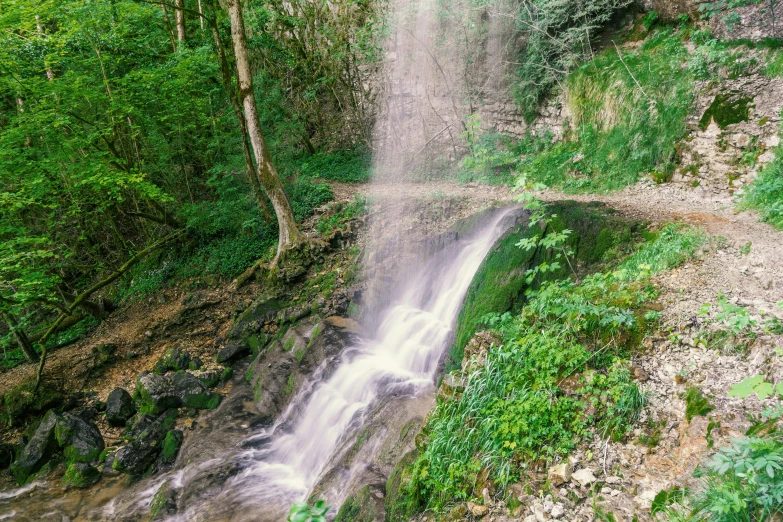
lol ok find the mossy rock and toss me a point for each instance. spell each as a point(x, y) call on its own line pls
point(20, 402)
point(499, 284)
point(81, 441)
point(367, 505)
point(173, 359)
point(400, 503)
point(80, 475)
point(37, 452)
point(727, 109)
point(171, 445)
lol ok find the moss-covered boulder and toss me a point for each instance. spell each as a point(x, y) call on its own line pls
point(147, 437)
point(171, 444)
point(174, 359)
point(80, 475)
point(37, 452)
point(367, 505)
point(247, 335)
point(158, 393)
point(164, 503)
point(81, 441)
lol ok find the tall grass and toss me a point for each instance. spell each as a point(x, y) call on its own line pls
point(628, 109)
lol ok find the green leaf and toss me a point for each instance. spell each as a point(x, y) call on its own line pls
point(747, 387)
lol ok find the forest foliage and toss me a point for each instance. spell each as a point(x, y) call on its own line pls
point(116, 131)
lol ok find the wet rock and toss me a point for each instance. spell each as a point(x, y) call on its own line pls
point(119, 407)
point(171, 445)
point(81, 475)
point(174, 359)
point(81, 441)
point(343, 323)
point(147, 435)
point(559, 474)
point(164, 503)
point(38, 451)
point(584, 477)
point(365, 506)
point(135, 457)
point(6, 455)
point(477, 510)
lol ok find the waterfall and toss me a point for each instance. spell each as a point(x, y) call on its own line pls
point(401, 357)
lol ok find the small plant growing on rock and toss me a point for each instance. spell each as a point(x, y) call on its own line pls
point(304, 512)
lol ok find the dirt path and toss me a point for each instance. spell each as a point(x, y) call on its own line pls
point(747, 266)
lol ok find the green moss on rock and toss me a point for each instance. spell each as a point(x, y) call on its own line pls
point(171, 445)
point(726, 109)
point(80, 475)
point(365, 506)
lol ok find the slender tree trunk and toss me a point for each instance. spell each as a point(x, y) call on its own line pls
point(265, 170)
point(29, 352)
point(250, 169)
point(200, 18)
point(180, 19)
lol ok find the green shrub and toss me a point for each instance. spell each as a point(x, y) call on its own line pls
point(742, 482)
point(353, 166)
point(765, 194)
point(696, 403)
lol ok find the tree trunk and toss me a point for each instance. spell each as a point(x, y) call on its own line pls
point(265, 170)
point(180, 19)
point(250, 169)
point(29, 352)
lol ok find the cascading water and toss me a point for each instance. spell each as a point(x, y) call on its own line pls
point(401, 357)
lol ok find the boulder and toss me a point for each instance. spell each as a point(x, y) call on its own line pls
point(146, 434)
point(81, 475)
point(135, 457)
point(38, 451)
point(171, 445)
point(174, 359)
point(192, 392)
point(164, 503)
point(155, 394)
point(81, 441)
point(119, 407)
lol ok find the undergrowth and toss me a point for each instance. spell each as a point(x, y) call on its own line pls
point(561, 375)
point(765, 194)
point(628, 109)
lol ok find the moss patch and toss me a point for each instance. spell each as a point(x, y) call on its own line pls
point(171, 445)
point(726, 109)
point(80, 475)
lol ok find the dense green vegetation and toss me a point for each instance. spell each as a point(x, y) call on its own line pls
point(119, 144)
point(628, 110)
point(560, 375)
